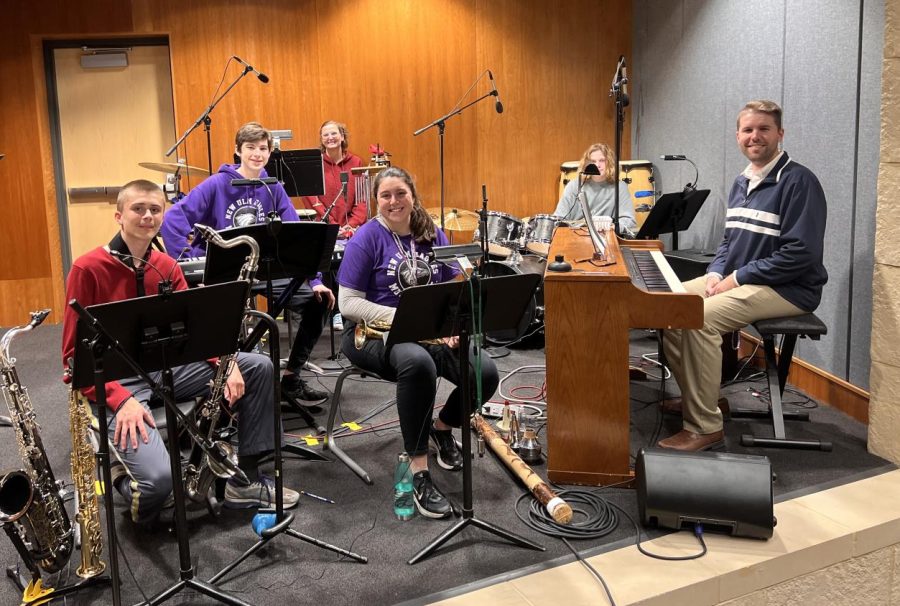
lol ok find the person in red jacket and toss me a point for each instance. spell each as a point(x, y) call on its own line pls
point(127, 268)
point(337, 159)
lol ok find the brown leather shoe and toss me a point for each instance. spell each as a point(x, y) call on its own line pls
point(673, 406)
point(690, 441)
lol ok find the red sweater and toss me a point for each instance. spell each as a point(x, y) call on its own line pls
point(98, 277)
point(352, 213)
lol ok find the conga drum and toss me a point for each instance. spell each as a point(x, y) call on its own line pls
point(567, 172)
point(638, 174)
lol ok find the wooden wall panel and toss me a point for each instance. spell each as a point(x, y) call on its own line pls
point(30, 266)
point(554, 68)
point(385, 68)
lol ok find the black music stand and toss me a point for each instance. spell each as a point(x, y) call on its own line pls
point(294, 250)
point(300, 171)
point(442, 310)
point(673, 213)
point(137, 336)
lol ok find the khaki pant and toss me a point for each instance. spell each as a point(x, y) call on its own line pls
point(695, 356)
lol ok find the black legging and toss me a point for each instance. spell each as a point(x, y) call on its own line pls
point(415, 368)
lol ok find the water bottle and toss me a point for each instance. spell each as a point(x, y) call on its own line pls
point(404, 508)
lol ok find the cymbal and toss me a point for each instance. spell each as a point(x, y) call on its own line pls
point(455, 219)
point(171, 167)
point(306, 213)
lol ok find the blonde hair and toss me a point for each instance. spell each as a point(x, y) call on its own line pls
point(609, 173)
point(762, 106)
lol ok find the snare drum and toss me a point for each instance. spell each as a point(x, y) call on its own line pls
point(539, 234)
point(503, 234)
point(533, 318)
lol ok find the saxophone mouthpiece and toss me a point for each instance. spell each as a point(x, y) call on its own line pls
point(206, 232)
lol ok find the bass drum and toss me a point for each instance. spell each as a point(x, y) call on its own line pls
point(533, 318)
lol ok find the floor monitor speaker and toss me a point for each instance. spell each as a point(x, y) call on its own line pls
point(724, 492)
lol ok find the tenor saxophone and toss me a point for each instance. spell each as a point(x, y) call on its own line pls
point(83, 467)
point(31, 508)
point(201, 470)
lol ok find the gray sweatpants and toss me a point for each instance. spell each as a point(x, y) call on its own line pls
point(149, 479)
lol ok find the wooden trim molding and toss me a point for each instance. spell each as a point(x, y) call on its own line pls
point(819, 384)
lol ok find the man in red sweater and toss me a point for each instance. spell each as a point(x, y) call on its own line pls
point(125, 268)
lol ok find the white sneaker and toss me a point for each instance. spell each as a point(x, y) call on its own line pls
point(257, 494)
point(337, 321)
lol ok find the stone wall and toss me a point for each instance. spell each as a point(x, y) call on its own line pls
point(884, 378)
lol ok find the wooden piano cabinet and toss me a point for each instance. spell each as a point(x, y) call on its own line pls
point(588, 314)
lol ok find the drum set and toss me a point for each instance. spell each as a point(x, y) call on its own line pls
point(515, 246)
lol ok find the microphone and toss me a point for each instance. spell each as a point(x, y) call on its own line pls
point(672, 157)
point(625, 99)
point(262, 77)
point(273, 222)
point(498, 105)
point(165, 285)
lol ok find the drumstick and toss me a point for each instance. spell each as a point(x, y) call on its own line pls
point(555, 506)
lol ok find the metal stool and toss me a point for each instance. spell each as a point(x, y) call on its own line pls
point(805, 325)
point(330, 443)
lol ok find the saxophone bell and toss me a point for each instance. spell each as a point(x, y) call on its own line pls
point(16, 496)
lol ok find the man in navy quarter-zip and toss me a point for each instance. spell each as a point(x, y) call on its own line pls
point(768, 265)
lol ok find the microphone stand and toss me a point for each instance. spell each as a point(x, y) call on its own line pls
point(621, 100)
point(440, 122)
point(331, 206)
point(207, 121)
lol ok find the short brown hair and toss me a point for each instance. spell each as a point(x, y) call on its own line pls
point(138, 185)
point(250, 133)
point(342, 128)
point(762, 106)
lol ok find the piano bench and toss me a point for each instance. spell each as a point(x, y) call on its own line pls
point(329, 442)
point(777, 368)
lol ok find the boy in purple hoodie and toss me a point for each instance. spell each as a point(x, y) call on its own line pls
point(218, 204)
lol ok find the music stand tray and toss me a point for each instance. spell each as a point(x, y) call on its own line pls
point(213, 311)
point(432, 311)
point(672, 213)
point(298, 249)
point(301, 171)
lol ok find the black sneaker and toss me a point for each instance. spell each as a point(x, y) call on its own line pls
point(448, 453)
point(430, 501)
point(295, 387)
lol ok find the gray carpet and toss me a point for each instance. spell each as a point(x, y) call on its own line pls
point(362, 518)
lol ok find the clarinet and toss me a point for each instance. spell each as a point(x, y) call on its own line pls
point(201, 471)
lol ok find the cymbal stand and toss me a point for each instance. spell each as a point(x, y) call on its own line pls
point(206, 120)
point(440, 123)
point(283, 520)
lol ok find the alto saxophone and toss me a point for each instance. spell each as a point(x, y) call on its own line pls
point(201, 470)
point(377, 330)
point(31, 508)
